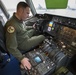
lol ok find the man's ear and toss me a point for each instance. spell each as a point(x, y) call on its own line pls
point(21, 10)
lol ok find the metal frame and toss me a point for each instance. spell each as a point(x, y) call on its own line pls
point(4, 10)
point(33, 10)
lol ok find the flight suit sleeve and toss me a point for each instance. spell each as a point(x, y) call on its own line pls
point(29, 27)
point(11, 43)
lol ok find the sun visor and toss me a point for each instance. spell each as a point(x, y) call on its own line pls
point(56, 4)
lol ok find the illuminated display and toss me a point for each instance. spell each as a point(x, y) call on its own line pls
point(37, 59)
point(50, 24)
point(68, 34)
point(67, 37)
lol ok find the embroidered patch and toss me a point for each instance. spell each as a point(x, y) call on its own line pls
point(11, 29)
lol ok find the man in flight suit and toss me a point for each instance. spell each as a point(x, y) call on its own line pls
point(18, 37)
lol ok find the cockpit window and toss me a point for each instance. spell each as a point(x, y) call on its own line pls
point(69, 10)
point(42, 4)
point(11, 5)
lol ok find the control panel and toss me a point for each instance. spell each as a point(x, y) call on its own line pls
point(70, 22)
point(46, 59)
point(41, 63)
point(58, 47)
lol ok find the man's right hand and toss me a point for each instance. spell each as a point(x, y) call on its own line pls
point(25, 63)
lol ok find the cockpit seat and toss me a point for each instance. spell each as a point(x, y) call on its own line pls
point(9, 65)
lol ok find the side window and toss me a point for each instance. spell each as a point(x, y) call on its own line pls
point(11, 5)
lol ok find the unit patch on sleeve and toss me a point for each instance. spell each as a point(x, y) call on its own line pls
point(11, 29)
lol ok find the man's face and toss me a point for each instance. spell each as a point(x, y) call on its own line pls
point(25, 13)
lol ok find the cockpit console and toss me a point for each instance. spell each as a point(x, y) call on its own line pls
point(57, 49)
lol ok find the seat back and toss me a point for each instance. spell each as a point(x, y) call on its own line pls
point(3, 49)
point(9, 65)
point(2, 38)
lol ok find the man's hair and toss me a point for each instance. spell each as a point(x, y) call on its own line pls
point(22, 5)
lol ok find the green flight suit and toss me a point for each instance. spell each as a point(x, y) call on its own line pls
point(18, 37)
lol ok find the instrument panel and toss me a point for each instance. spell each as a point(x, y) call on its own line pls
point(68, 35)
point(51, 28)
point(62, 29)
point(58, 47)
point(41, 63)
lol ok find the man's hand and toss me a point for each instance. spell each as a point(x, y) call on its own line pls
point(25, 63)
